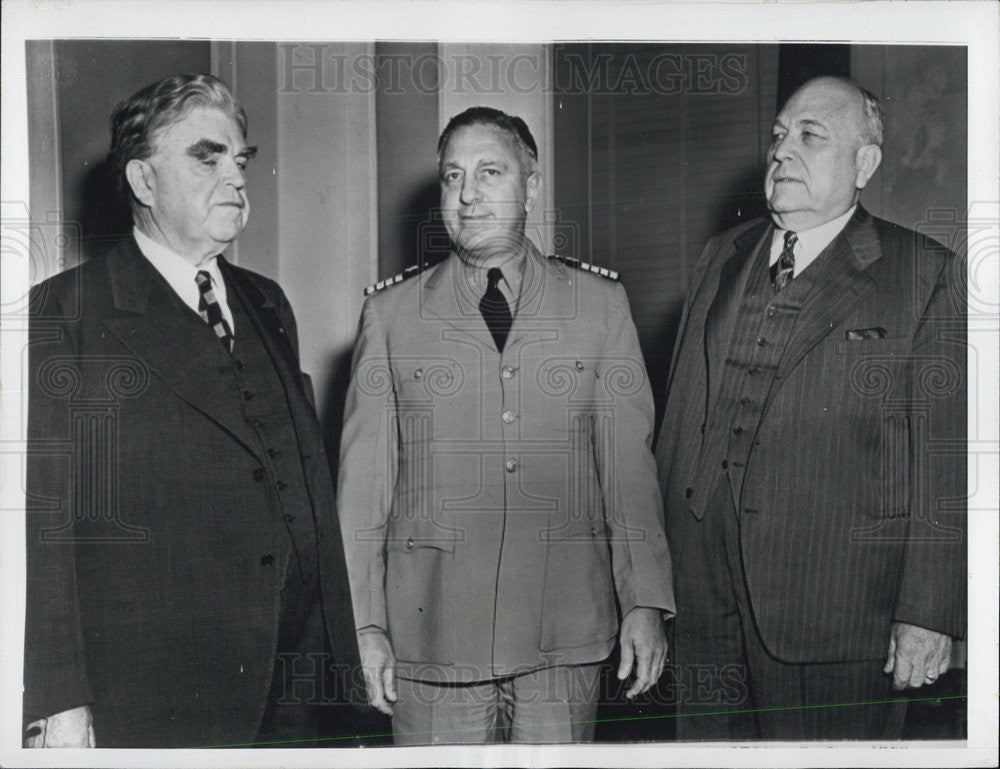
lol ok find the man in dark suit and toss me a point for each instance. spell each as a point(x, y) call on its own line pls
point(498, 492)
point(812, 453)
point(184, 554)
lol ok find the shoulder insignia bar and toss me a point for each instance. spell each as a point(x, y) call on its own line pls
point(409, 272)
point(576, 264)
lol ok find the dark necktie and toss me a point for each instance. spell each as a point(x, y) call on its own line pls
point(782, 270)
point(211, 312)
point(495, 310)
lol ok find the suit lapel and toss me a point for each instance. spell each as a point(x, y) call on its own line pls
point(841, 284)
point(546, 289)
point(745, 247)
point(447, 296)
point(263, 314)
point(151, 322)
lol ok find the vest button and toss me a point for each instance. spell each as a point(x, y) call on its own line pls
point(761, 341)
point(282, 485)
point(409, 544)
point(273, 453)
point(510, 465)
point(744, 401)
point(593, 531)
point(770, 311)
point(267, 559)
point(752, 370)
point(418, 373)
point(508, 416)
point(239, 364)
point(688, 492)
point(725, 464)
point(579, 365)
point(258, 474)
point(737, 430)
point(507, 372)
point(247, 395)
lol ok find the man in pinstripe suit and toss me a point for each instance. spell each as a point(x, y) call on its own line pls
point(812, 450)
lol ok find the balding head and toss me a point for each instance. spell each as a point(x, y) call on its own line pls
point(824, 149)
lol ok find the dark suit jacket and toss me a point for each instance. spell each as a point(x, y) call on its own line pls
point(154, 558)
point(852, 503)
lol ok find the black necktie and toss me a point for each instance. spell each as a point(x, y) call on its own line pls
point(783, 270)
point(211, 312)
point(495, 310)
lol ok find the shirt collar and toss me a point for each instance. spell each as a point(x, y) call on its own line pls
point(175, 269)
point(812, 242)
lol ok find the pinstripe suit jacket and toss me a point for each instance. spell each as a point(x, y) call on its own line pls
point(852, 501)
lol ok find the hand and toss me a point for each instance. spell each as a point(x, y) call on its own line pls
point(916, 655)
point(643, 641)
point(70, 729)
point(379, 665)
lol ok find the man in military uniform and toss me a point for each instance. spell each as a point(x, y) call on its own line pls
point(497, 487)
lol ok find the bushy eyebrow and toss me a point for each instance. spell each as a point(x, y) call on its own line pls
point(202, 148)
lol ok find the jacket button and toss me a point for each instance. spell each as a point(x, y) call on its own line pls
point(282, 485)
point(267, 559)
point(593, 531)
point(508, 416)
point(510, 465)
point(761, 341)
point(409, 544)
point(247, 395)
point(752, 370)
point(770, 311)
point(273, 453)
point(239, 364)
point(737, 430)
point(744, 401)
point(258, 474)
point(725, 464)
point(688, 492)
point(507, 372)
point(418, 373)
point(579, 365)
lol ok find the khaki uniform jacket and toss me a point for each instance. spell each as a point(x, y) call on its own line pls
point(496, 506)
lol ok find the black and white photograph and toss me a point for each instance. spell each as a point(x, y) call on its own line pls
point(492, 383)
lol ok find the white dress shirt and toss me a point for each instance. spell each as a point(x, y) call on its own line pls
point(180, 274)
point(810, 243)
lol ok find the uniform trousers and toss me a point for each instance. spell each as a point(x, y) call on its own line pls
point(552, 705)
point(732, 687)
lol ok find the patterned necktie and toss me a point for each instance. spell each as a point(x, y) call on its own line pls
point(783, 269)
point(495, 310)
point(211, 312)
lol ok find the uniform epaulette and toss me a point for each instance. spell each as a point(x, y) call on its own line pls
point(576, 264)
point(409, 272)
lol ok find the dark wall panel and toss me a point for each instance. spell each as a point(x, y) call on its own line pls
point(92, 77)
point(660, 146)
point(406, 109)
